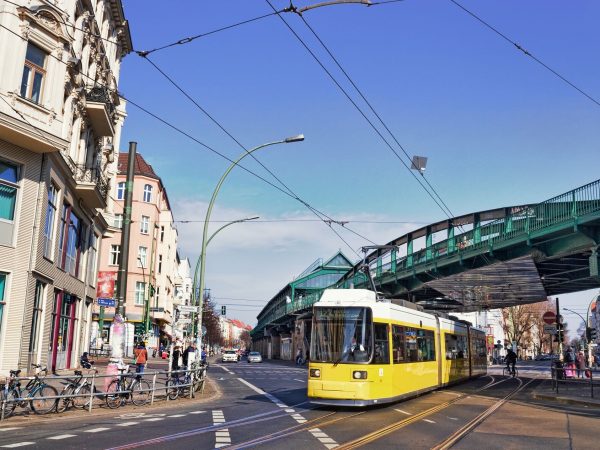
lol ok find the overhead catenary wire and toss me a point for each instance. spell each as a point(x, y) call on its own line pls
point(525, 52)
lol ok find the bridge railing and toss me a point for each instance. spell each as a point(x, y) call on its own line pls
point(521, 222)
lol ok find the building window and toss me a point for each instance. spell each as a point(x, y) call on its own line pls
point(115, 251)
point(159, 263)
point(118, 223)
point(9, 175)
point(73, 245)
point(142, 254)
point(162, 233)
point(3, 277)
point(140, 289)
point(33, 73)
point(147, 193)
point(144, 224)
point(49, 227)
point(121, 190)
point(92, 254)
point(36, 316)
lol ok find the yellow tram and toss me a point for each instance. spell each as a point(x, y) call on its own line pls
point(366, 351)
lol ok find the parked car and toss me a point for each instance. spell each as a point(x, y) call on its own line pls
point(254, 357)
point(230, 356)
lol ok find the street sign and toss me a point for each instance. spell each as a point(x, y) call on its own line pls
point(157, 309)
point(549, 317)
point(110, 302)
point(549, 329)
point(184, 321)
point(188, 309)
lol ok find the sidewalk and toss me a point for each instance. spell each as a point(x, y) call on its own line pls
point(570, 392)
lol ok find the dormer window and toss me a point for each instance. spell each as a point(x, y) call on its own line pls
point(33, 73)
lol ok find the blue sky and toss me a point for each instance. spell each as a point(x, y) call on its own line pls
point(498, 128)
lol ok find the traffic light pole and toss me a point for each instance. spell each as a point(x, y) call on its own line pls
point(559, 333)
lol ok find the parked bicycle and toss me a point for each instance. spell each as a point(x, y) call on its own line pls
point(179, 383)
point(127, 386)
point(76, 393)
point(35, 395)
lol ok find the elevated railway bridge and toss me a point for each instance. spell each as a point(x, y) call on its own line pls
point(483, 260)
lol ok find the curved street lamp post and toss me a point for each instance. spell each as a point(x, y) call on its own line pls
point(200, 298)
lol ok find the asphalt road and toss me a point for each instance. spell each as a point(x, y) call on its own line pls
point(265, 406)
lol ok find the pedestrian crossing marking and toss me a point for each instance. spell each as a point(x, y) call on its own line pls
point(127, 424)
point(96, 430)
point(18, 444)
point(61, 436)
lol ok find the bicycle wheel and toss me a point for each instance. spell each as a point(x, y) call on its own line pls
point(83, 399)
point(172, 390)
point(11, 404)
point(62, 404)
point(40, 404)
point(140, 392)
point(114, 395)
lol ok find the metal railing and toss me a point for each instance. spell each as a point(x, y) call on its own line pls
point(566, 378)
point(159, 382)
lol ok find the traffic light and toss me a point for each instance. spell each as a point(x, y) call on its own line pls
point(593, 335)
point(223, 310)
point(559, 332)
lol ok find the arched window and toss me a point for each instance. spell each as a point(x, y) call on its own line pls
point(147, 193)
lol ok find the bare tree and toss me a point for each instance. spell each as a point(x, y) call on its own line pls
point(210, 320)
point(542, 341)
point(245, 338)
point(517, 323)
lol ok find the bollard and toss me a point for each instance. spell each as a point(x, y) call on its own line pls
point(92, 391)
point(191, 383)
point(3, 407)
point(592, 382)
point(153, 388)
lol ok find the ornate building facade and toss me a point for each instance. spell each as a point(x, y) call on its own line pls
point(60, 124)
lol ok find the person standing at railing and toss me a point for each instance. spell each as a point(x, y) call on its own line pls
point(580, 363)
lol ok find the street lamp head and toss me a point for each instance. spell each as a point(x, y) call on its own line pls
point(297, 138)
point(252, 218)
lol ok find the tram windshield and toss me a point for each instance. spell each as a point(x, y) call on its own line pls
point(342, 335)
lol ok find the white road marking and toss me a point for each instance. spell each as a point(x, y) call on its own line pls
point(452, 418)
point(10, 428)
point(153, 419)
point(18, 444)
point(126, 424)
point(197, 412)
point(266, 394)
point(403, 412)
point(222, 437)
point(428, 421)
point(61, 436)
point(96, 430)
point(290, 410)
point(301, 381)
point(323, 438)
point(177, 415)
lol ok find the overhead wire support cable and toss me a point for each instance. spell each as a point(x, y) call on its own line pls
point(356, 106)
point(189, 39)
point(291, 192)
point(526, 52)
point(447, 210)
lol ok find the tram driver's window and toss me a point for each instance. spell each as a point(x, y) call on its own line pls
point(381, 354)
point(451, 346)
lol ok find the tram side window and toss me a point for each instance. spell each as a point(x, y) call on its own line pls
point(412, 344)
point(398, 344)
point(381, 344)
point(456, 347)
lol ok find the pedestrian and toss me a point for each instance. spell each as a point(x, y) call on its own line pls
point(570, 359)
point(580, 362)
point(176, 356)
point(141, 357)
point(299, 357)
point(187, 355)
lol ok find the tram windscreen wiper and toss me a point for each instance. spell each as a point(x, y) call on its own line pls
point(336, 362)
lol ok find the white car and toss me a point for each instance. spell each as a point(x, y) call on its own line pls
point(230, 356)
point(254, 357)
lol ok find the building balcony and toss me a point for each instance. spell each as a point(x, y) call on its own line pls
point(91, 185)
point(100, 110)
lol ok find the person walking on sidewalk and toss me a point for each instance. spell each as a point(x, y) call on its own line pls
point(580, 362)
point(141, 357)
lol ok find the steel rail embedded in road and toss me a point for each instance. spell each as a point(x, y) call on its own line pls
point(469, 427)
point(388, 429)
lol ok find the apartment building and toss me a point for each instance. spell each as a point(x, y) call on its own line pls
point(60, 123)
point(153, 262)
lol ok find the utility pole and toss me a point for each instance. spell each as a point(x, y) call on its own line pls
point(119, 320)
point(559, 333)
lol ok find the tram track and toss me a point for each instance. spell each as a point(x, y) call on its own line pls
point(384, 431)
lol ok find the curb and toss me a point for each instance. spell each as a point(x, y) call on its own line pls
point(567, 400)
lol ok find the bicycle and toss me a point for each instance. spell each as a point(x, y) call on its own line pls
point(127, 386)
point(508, 372)
point(33, 396)
point(76, 393)
point(176, 385)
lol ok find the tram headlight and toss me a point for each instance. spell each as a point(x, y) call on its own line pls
point(359, 374)
point(315, 373)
